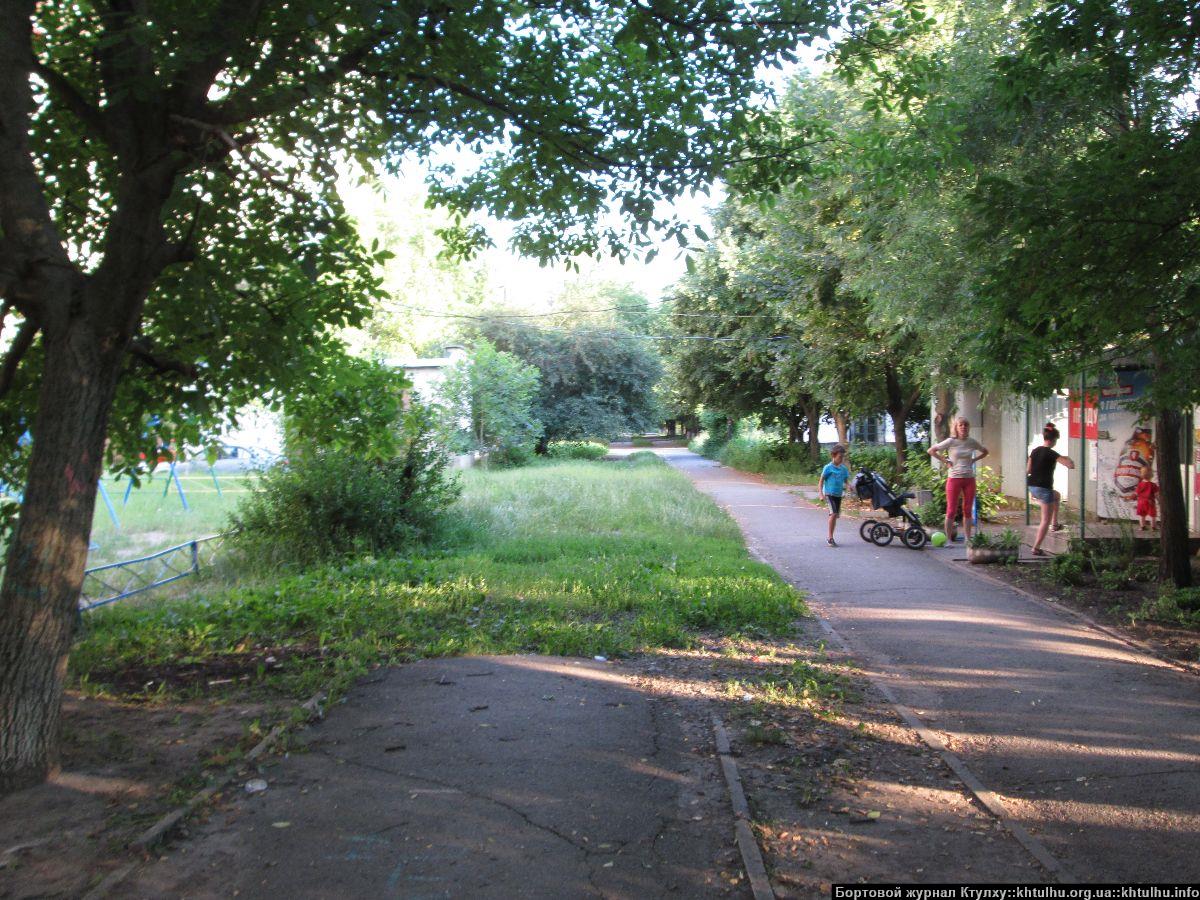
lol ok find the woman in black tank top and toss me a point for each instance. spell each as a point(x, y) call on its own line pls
point(1040, 476)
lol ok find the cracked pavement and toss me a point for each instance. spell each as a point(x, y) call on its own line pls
point(474, 777)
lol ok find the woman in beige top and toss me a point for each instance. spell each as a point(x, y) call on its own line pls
point(959, 453)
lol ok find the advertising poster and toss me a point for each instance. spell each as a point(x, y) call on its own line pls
point(1083, 418)
point(1125, 446)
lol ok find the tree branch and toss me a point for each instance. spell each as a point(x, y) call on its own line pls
point(12, 359)
point(140, 349)
point(30, 237)
point(244, 107)
point(230, 23)
point(70, 96)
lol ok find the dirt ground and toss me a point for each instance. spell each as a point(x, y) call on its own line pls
point(124, 765)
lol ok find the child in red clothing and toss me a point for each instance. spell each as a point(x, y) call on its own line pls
point(1147, 510)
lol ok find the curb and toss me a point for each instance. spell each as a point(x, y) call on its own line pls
point(156, 833)
point(752, 861)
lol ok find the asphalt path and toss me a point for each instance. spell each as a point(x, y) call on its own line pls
point(1091, 745)
point(480, 777)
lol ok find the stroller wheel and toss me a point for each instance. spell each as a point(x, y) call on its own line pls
point(914, 537)
point(865, 529)
point(882, 534)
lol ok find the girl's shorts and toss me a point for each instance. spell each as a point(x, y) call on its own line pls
point(835, 503)
point(1043, 495)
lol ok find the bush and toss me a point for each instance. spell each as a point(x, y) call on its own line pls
point(510, 457)
point(769, 456)
point(328, 503)
point(715, 433)
point(931, 514)
point(1069, 568)
point(879, 457)
point(577, 450)
point(1175, 606)
point(644, 458)
point(641, 441)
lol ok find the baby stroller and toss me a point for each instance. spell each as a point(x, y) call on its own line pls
point(871, 486)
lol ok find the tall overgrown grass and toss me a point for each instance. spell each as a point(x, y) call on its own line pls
point(572, 558)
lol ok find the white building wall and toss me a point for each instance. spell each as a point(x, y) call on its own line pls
point(1013, 450)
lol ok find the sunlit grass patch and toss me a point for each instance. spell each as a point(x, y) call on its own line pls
point(816, 686)
point(575, 559)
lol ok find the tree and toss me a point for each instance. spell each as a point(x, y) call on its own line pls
point(1093, 238)
point(488, 398)
point(353, 406)
point(1047, 154)
point(597, 381)
point(171, 241)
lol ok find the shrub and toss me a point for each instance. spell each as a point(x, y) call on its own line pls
point(1069, 568)
point(931, 514)
point(488, 401)
point(640, 441)
point(769, 456)
point(328, 503)
point(577, 450)
point(644, 458)
point(716, 429)
point(1008, 539)
point(510, 457)
point(1176, 606)
point(878, 457)
point(1114, 580)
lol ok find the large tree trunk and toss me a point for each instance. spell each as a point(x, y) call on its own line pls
point(795, 418)
point(842, 422)
point(812, 415)
point(943, 413)
point(899, 416)
point(898, 407)
point(1174, 562)
point(48, 551)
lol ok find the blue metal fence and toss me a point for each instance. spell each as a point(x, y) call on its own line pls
point(116, 581)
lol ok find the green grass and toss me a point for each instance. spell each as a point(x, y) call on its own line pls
point(573, 558)
point(822, 687)
point(151, 521)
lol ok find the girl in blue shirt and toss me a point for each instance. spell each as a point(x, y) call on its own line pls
point(833, 485)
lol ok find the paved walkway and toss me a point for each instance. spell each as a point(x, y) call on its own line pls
point(1091, 745)
point(481, 777)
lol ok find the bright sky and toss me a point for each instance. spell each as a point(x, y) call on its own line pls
point(521, 281)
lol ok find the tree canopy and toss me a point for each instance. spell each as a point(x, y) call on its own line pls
point(172, 242)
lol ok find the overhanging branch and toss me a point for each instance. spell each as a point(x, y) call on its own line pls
point(70, 96)
point(12, 359)
point(141, 350)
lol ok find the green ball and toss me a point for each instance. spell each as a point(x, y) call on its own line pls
point(938, 539)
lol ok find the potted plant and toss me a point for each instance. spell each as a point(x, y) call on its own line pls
point(985, 548)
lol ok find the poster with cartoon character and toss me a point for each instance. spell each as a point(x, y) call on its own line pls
point(1125, 446)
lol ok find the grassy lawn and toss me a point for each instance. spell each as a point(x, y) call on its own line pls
point(573, 558)
point(151, 521)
